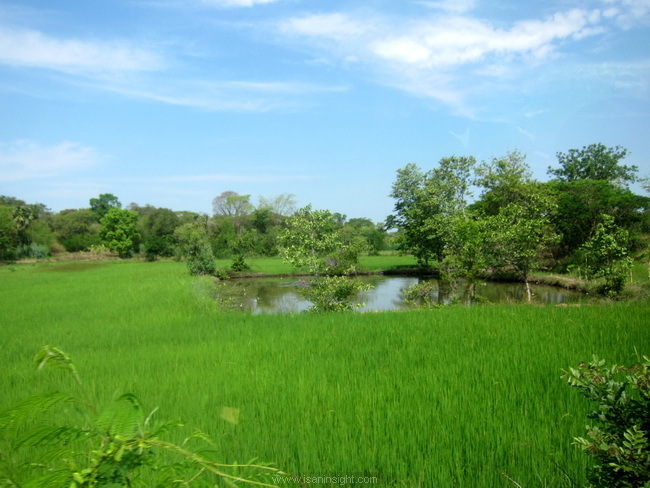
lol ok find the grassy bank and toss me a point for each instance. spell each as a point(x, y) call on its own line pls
point(276, 266)
point(451, 397)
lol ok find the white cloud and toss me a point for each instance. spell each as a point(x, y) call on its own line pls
point(429, 56)
point(233, 96)
point(628, 13)
point(337, 26)
point(25, 160)
point(25, 47)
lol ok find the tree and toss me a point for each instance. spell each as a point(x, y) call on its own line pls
point(581, 204)
point(283, 204)
point(9, 239)
point(119, 231)
point(504, 181)
point(310, 239)
point(76, 230)
point(232, 204)
point(594, 162)
point(156, 227)
point(374, 236)
point(518, 234)
point(427, 204)
point(606, 256)
point(103, 204)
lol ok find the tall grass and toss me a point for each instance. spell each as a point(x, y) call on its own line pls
point(453, 397)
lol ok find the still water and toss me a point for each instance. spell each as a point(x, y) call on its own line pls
point(282, 295)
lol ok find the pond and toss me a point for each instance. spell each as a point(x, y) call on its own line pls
point(282, 295)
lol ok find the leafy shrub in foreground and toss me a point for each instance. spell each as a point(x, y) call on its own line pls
point(620, 444)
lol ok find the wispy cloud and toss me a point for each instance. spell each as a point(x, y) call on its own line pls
point(128, 69)
point(26, 47)
point(430, 56)
point(27, 160)
point(231, 96)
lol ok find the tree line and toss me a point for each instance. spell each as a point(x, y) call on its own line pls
point(585, 217)
point(237, 227)
point(467, 218)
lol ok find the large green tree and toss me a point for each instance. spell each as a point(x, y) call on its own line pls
point(581, 204)
point(102, 204)
point(427, 205)
point(119, 231)
point(594, 162)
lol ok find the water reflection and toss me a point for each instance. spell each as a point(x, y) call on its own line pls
point(282, 295)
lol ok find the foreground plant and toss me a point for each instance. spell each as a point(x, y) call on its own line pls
point(620, 443)
point(117, 446)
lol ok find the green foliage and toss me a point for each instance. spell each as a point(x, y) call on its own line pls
point(310, 237)
point(192, 239)
point(427, 205)
point(239, 264)
point(506, 180)
point(101, 205)
point(155, 246)
point(77, 230)
point(517, 236)
point(620, 440)
point(333, 293)
point(421, 295)
point(200, 260)
point(594, 162)
point(8, 235)
point(119, 445)
point(581, 204)
point(34, 251)
point(606, 256)
point(119, 231)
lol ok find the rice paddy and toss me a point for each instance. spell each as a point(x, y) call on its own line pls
point(460, 396)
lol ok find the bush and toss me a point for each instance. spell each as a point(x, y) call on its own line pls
point(620, 443)
point(421, 294)
point(239, 264)
point(333, 293)
point(200, 260)
point(34, 251)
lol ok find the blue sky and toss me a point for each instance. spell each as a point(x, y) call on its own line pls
point(172, 102)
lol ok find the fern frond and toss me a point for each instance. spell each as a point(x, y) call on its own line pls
point(122, 417)
point(47, 435)
point(49, 355)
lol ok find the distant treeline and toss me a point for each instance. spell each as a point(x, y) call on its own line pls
point(237, 228)
point(585, 216)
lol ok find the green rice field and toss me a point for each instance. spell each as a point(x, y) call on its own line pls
point(452, 397)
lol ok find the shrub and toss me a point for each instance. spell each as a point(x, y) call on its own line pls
point(239, 264)
point(200, 260)
point(34, 251)
point(333, 293)
point(620, 443)
point(421, 294)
